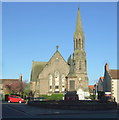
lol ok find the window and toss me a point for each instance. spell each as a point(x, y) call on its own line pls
point(50, 87)
point(56, 78)
point(63, 79)
point(80, 65)
point(85, 64)
point(56, 87)
point(79, 44)
point(50, 82)
point(76, 44)
point(63, 82)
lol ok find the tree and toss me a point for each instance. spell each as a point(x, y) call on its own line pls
point(16, 87)
point(26, 89)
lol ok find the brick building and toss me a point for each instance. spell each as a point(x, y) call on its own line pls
point(4, 82)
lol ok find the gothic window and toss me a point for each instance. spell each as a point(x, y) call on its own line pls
point(76, 44)
point(56, 81)
point(56, 87)
point(79, 43)
point(56, 78)
point(80, 65)
point(85, 64)
point(50, 82)
point(50, 87)
point(63, 82)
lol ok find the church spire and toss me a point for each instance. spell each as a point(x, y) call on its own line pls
point(79, 23)
point(79, 35)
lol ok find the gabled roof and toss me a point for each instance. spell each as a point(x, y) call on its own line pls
point(114, 74)
point(101, 78)
point(91, 87)
point(37, 67)
point(57, 52)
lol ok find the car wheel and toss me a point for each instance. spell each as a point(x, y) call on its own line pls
point(19, 101)
point(8, 101)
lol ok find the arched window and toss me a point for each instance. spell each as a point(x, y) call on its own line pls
point(85, 65)
point(63, 82)
point(76, 44)
point(80, 65)
point(79, 44)
point(56, 81)
point(50, 82)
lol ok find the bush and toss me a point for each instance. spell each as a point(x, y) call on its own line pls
point(92, 97)
point(2, 97)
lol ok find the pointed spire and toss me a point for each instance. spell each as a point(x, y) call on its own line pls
point(69, 60)
point(106, 67)
point(79, 24)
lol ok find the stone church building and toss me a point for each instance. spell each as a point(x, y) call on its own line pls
point(57, 75)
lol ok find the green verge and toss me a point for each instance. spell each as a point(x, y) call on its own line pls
point(53, 96)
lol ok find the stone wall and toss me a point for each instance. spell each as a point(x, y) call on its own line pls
point(76, 105)
point(56, 64)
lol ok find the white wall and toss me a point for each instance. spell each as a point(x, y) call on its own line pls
point(115, 89)
point(118, 91)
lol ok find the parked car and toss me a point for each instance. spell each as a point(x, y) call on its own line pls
point(14, 98)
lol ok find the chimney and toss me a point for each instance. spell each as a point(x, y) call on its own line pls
point(20, 77)
point(106, 67)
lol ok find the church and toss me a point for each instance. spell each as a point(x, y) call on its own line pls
point(57, 75)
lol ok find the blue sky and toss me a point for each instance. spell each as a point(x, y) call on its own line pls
point(31, 31)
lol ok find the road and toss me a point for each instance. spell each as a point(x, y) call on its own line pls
point(16, 110)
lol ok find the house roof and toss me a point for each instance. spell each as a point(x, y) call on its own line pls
point(37, 67)
point(114, 74)
point(102, 78)
point(91, 87)
point(3, 81)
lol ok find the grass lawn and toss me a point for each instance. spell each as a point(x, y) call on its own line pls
point(53, 97)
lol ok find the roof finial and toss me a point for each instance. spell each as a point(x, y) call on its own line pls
point(57, 47)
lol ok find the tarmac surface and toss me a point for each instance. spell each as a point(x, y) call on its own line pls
point(16, 110)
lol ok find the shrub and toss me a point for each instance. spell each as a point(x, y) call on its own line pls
point(92, 97)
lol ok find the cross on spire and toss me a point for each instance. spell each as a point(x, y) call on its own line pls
point(57, 48)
